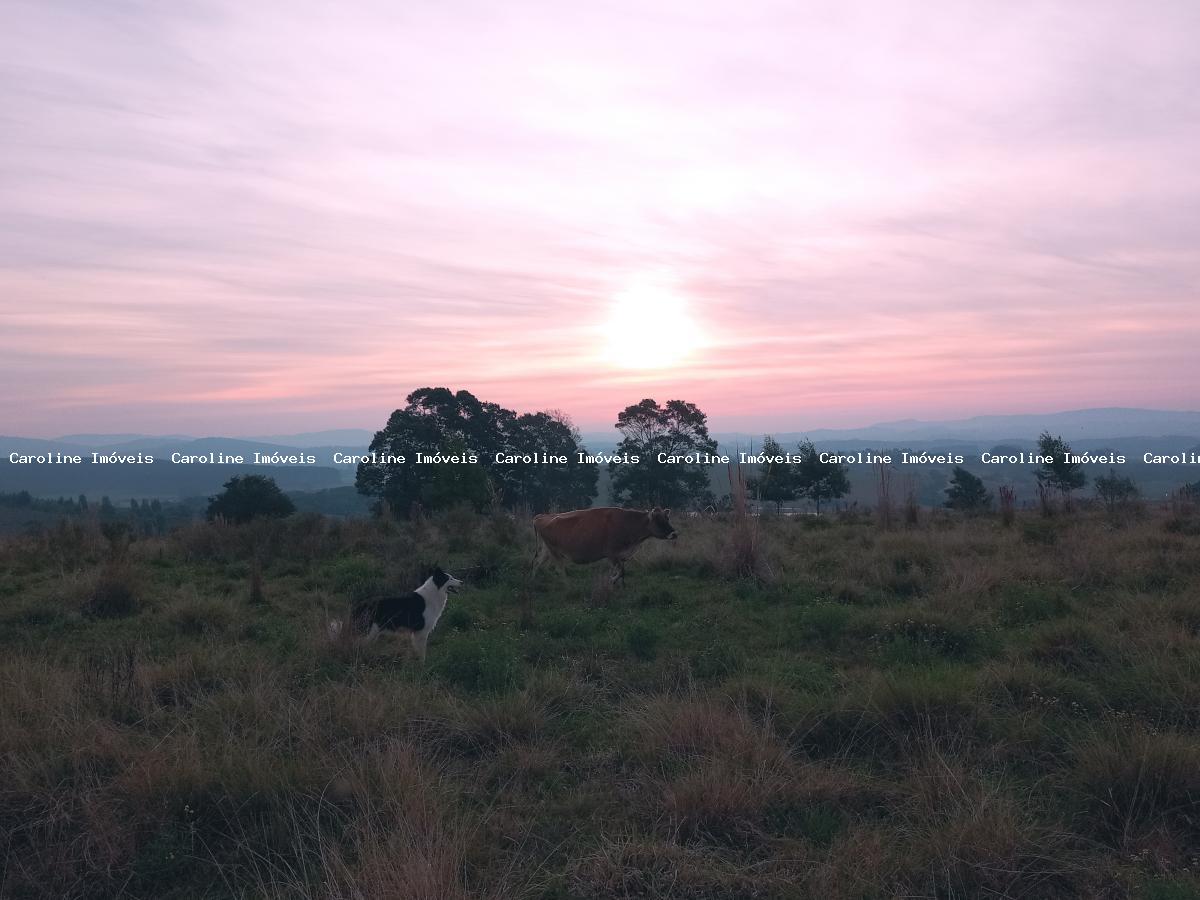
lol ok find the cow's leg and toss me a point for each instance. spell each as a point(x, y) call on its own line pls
point(618, 572)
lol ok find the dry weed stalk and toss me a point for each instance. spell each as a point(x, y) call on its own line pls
point(883, 489)
point(1045, 499)
point(912, 506)
point(745, 556)
point(1008, 504)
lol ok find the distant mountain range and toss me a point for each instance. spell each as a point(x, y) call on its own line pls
point(1121, 430)
point(1077, 424)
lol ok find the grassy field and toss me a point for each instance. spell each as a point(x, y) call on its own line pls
point(788, 708)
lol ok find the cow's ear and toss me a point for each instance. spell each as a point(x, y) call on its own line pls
point(655, 511)
point(666, 512)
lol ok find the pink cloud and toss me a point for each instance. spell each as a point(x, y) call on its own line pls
point(256, 217)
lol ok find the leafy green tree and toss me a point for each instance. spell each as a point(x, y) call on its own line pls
point(451, 484)
point(777, 481)
point(1115, 490)
point(448, 423)
point(247, 497)
point(967, 493)
point(545, 486)
point(1060, 473)
point(819, 481)
point(677, 429)
point(433, 421)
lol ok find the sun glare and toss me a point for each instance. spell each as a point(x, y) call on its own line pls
point(650, 327)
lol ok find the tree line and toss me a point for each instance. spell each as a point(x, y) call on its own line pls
point(460, 425)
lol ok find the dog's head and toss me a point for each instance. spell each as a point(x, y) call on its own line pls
point(443, 580)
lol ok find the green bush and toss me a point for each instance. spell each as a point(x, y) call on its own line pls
point(113, 595)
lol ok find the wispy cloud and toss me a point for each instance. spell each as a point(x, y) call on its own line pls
point(232, 216)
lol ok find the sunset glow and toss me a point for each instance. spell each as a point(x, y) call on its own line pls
point(650, 328)
point(247, 218)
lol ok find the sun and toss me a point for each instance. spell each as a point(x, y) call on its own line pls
point(650, 327)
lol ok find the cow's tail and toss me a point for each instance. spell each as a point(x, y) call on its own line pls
point(541, 550)
point(334, 629)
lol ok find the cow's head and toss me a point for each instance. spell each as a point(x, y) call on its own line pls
point(660, 524)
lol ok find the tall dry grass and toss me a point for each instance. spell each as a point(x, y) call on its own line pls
point(951, 709)
point(742, 557)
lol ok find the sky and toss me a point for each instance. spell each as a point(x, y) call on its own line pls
point(249, 218)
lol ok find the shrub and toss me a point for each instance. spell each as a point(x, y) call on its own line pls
point(967, 493)
point(247, 497)
point(113, 595)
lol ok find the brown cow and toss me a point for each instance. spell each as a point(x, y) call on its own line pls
point(606, 532)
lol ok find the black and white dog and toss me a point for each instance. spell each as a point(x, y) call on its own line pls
point(415, 613)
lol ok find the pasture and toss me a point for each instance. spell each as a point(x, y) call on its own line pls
point(782, 709)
